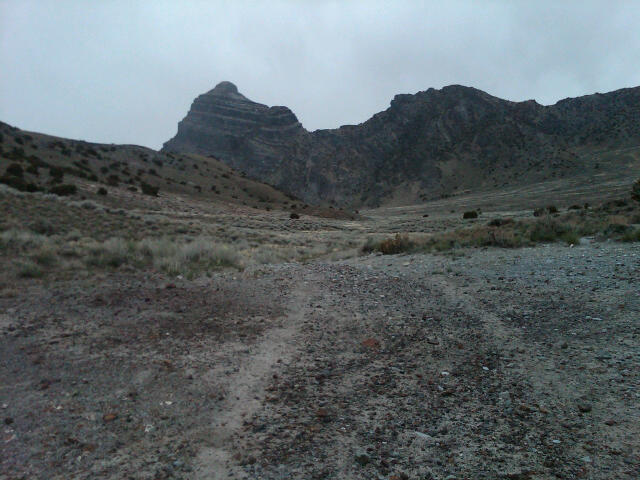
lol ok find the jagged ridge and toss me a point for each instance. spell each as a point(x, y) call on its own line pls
point(433, 143)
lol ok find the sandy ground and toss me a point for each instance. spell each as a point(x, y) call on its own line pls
point(519, 364)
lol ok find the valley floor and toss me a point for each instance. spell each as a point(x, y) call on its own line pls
point(489, 363)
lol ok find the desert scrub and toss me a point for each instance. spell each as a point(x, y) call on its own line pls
point(635, 191)
point(113, 252)
point(400, 243)
point(21, 240)
point(169, 256)
point(632, 235)
point(28, 269)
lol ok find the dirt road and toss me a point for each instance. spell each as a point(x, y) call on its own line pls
point(491, 364)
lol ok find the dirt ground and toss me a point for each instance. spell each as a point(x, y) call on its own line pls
point(478, 363)
point(487, 364)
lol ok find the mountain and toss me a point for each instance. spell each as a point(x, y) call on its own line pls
point(434, 143)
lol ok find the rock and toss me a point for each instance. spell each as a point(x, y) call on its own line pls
point(323, 415)
point(109, 417)
point(362, 458)
point(584, 407)
point(371, 343)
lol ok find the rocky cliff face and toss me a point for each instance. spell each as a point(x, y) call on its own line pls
point(433, 143)
point(226, 124)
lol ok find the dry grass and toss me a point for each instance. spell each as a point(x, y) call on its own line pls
point(613, 221)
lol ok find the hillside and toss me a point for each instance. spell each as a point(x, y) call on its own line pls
point(424, 146)
point(130, 176)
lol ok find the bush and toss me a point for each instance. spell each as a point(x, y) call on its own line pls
point(64, 190)
point(632, 235)
point(538, 212)
point(398, 244)
point(470, 214)
point(635, 191)
point(149, 189)
point(500, 222)
point(15, 169)
point(548, 230)
point(29, 269)
point(19, 184)
point(102, 191)
point(113, 180)
point(294, 215)
point(42, 227)
point(56, 173)
point(552, 209)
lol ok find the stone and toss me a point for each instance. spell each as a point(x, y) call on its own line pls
point(362, 458)
point(584, 407)
point(109, 417)
point(371, 343)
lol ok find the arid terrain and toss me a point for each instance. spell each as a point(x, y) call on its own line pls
point(172, 336)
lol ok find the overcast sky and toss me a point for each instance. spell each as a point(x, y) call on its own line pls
point(127, 71)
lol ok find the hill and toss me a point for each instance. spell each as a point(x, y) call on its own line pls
point(131, 176)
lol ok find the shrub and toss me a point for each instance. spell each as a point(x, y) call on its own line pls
point(632, 235)
point(499, 222)
point(102, 191)
point(294, 215)
point(19, 184)
point(15, 169)
point(113, 180)
point(56, 172)
point(29, 269)
point(45, 257)
point(635, 191)
point(552, 209)
point(538, 212)
point(398, 244)
point(149, 189)
point(548, 230)
point(64, 190)
point(42, 227)
point(470, 214)
point(575, 207)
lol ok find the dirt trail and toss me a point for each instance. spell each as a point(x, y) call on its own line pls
point(246, 389)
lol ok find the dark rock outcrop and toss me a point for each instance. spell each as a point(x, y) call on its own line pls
point(425, 145)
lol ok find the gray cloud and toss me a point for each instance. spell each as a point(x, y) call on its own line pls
point(127, 71)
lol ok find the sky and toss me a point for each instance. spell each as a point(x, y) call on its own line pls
point(127, 71)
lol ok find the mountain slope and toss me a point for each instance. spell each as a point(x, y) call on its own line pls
point(433, 143)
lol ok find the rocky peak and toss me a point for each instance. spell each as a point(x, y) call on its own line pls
point(227, 90)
